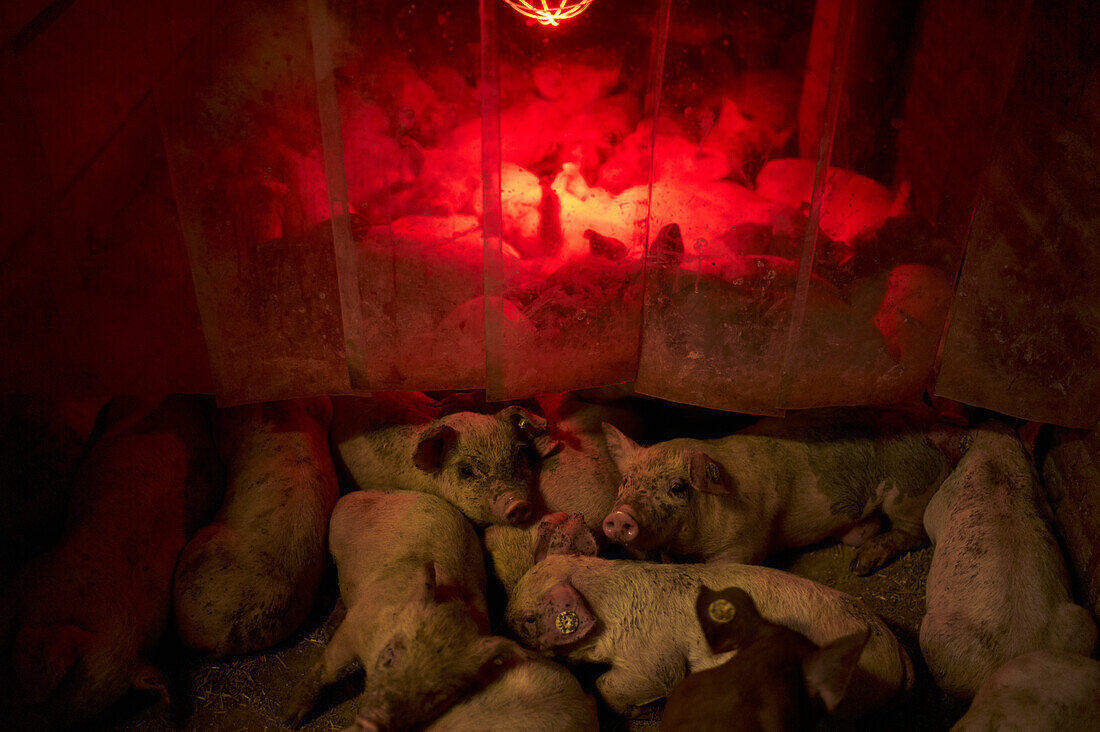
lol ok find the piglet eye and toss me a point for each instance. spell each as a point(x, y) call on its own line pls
point(679, 488)
point(529, 619)
point(466, 472)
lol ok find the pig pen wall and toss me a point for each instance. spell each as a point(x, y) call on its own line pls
point(119, 276)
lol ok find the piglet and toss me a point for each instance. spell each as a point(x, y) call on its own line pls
point(246, 581)
point(781, 483)
point(82, 618)
point(1040, 691)
point(483, 464)
point(777, 680)
point(435, 669)
point(577, 478)
point(514, 550)
point(640, 618)
point(998, 584)
point(381, 543)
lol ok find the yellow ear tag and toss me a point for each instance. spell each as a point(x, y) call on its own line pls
point(721, 611)
point(567, 622)
point(522, 423)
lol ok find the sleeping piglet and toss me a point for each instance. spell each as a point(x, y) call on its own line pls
point(641, 619)
point(998, 584)
point(481, 463)
point(381, 543)
point(82, 619)
point(437, 672)
point(247, 580)
point(781, 483)
point(778, 680)
point(1040, 691)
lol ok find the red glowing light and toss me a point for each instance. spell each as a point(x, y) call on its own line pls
point(547, 15)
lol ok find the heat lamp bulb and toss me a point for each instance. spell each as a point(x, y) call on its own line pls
point(547, 15)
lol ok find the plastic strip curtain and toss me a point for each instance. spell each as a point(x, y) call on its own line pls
point(726, 259)
point(240, 121)
point(568, 130)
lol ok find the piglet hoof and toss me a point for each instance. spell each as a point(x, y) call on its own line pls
point(363, 724)
point(295, 714)
point(872, 556)
point(639, 712)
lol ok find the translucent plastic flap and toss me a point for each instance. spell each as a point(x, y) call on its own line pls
point(576, 104)
point(240, 119)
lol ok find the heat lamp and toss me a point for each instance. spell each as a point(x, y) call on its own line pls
point(547, 15)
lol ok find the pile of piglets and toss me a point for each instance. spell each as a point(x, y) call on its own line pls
point(539, 565)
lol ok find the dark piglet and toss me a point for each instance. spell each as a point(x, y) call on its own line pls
point(777, 681)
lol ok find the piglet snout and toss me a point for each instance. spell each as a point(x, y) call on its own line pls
point(512, 509)
point(620, 525)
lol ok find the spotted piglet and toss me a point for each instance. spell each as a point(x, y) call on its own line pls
point(640, 619)
point(484, 464)
point(778, 680)
point(781, 483)
point(998, 584)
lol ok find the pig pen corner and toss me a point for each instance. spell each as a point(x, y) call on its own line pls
point(608, 365)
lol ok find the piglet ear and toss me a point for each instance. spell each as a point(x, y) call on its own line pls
point(436, 442)
point(728, 617)
point(707, 475)
point(561, 533)
point(621, 447)
point(952, 441)
point(532, 428)
point(566, 617)
point(828, 670)
point(43, 655)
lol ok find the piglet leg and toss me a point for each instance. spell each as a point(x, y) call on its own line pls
point(906, 516)
point(336, 662)
point(878, 551)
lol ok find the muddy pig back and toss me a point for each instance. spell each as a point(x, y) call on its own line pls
point(998, 585)
point(87, 613)
point(1041, 691)
point(534, 695)
point(641, 619)
point(374, 536)
point(248, 579)
point(482, 463)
